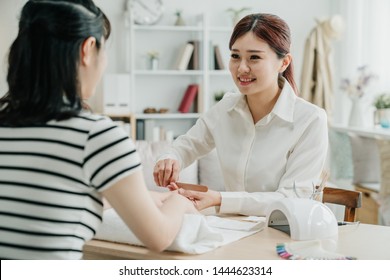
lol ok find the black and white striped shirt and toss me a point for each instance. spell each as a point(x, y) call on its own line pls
point(51, 177)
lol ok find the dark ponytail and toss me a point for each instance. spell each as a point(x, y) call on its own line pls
point(44, 58)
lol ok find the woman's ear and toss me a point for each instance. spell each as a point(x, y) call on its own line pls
point(286, 60)
point(87, 50)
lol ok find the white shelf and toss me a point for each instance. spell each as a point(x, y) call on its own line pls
point(219, 72)
point(168, 28)
point(168, 72)
point(221, 29)
point(168, 116)
point(370, 132)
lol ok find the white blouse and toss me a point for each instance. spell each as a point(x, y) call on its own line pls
point(260, 162)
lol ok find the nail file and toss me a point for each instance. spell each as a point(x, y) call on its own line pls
point(192, 187)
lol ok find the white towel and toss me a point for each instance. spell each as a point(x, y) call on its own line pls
point(198, 234)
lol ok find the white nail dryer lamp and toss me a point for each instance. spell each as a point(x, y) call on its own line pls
point(303, 219)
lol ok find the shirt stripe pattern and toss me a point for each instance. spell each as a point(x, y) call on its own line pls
point(51, 177)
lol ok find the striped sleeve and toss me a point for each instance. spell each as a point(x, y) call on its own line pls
point(109, 155)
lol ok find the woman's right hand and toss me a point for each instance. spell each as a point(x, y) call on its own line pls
point(166, 171)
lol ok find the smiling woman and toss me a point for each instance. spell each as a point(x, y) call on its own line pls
point(250, 129)
point(253, 66)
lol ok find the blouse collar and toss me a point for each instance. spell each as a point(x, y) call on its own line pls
point(284, 106)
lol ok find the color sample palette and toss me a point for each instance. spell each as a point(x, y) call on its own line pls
point(307, 250)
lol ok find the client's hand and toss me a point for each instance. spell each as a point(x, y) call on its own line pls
point(166, 171)
point(202, 200)
point(161, 197)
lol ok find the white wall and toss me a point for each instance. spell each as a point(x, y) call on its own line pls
point(9, 10)
point(299, 14)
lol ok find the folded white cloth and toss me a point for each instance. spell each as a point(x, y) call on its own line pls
point(198, 234)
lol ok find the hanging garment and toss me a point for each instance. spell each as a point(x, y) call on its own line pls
point(316, 76)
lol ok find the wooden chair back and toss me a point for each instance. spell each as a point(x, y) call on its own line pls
point(350, 199)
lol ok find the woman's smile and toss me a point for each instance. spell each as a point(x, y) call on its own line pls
point(244, 81)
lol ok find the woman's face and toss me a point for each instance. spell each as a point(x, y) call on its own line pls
point(94, 71)
point(254, 66)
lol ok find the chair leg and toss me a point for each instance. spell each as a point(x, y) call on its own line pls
point(349, 214)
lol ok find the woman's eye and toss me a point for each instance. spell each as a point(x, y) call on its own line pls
point(234, 56)
point(254, 57)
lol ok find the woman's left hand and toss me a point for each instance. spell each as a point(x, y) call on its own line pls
point(202, 200)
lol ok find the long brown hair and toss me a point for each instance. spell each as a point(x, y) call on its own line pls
point(274, 31)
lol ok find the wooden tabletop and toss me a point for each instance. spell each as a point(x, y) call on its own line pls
point(366, 242)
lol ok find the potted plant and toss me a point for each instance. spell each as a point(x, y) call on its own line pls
point(218, 95)
point(153, 59)
point(179, 18)
point(355, 89)
point(382, 112)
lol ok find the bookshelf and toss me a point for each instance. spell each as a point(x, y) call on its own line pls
point(165, 86)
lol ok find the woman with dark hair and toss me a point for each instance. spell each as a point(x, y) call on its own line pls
point(267, 138)
point(57, 161)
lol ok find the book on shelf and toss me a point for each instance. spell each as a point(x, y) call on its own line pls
point(219, 65)
point(211, 56)
point(194, 63)
point(140, 130)
point(199, 101)
point(149, 130)
point(145, 129)
point(188, 98)
point(184, 57)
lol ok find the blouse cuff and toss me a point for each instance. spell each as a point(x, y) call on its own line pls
point(229, 203)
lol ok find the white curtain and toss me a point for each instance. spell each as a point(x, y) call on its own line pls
point(366, 41)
